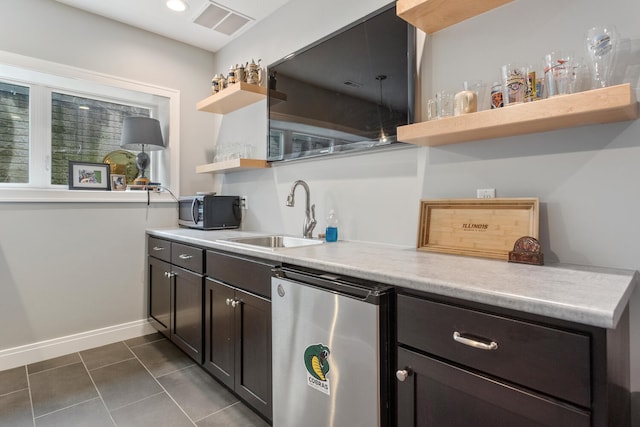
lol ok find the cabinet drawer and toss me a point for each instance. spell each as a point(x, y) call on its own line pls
point(187, 257)
point(552, 361)
point(244, 273)
point(159, 248)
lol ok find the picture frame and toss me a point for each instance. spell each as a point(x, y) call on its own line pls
point(89, 176)
point(118, 182)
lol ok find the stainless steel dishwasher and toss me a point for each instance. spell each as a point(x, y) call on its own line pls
point(330, 346)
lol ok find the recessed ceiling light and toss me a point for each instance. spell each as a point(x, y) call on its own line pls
point(177, 5)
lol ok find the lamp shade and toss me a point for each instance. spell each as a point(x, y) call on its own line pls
point(140, 133)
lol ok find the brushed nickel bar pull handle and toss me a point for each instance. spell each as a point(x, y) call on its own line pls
point(185, 256)
point(457, 337)
point(158, 248)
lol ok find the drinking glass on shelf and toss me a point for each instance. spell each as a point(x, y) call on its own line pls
point(496, 96)
point(218, 154)
point(234, 151)
point(444, 103)
point(561, 71)
point(514, 83)
point(483, 93)
point(432, 112)
point(601, 43)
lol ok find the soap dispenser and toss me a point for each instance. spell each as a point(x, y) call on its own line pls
point(332, 227)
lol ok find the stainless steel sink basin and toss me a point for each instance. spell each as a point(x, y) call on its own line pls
point(272, 241)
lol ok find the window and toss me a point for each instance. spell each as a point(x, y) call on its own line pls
point(85, 129)
point(51, 114)
point(14, 133)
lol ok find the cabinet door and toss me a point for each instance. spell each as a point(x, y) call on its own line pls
point(187, 312)
point(438, 394)
point(159, 295)
point(219, 332)
point(253, 351)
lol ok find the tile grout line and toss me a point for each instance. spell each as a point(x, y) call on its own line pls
point(131, 347)
point(51, 369)
point(97, 390)
point(220, 410)
point(138, 401)
point(15, 391)
point(161, 386)
point(109, 364)
point(33, 414)
point(66, 407)
point(177, 370)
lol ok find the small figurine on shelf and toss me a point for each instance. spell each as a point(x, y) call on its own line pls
point(241, 74)
point(253, 75)
point(231, 77)
point(214, 84)
point(222, 83)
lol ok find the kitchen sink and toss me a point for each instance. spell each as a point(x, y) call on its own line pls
point(272, 241)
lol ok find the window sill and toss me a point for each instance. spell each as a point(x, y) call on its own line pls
point(28, 195)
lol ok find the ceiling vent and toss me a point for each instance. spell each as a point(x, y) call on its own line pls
point(221, 19)
point(352, 83)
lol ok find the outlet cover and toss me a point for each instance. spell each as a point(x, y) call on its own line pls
point(486, 193)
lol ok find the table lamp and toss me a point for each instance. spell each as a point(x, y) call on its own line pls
point(139, 133)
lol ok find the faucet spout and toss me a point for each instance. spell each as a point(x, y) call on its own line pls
point(310, 210)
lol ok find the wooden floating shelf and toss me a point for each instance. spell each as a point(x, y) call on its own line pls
point(234, 165)
point(606, 105)
point(434, 15)
point(236, 96)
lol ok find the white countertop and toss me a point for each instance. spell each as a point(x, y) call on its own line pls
point(587, 295)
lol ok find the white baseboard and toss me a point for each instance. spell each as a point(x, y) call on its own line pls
point(43, 350)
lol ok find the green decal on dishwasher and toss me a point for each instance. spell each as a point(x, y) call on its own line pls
point(316, 361)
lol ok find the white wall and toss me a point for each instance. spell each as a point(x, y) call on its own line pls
point(69, 268)
point(586, 178)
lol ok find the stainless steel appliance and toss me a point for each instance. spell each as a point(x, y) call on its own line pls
point(209, 212)
point(330, 346)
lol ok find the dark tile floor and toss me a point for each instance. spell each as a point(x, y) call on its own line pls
point(144, 381)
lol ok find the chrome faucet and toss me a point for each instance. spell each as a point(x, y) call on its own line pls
point(310, 212)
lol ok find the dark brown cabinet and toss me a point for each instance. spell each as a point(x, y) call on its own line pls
point(176, 284)
point(222, 320)
point(238, 327)
point(160, 295)
point(436, 393)
point(238, 342)
point(460, 365)
point(187, 312)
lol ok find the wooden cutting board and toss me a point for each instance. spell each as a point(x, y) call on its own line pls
point(476, 227)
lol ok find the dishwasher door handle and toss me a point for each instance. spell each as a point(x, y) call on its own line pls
point(335, 284)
